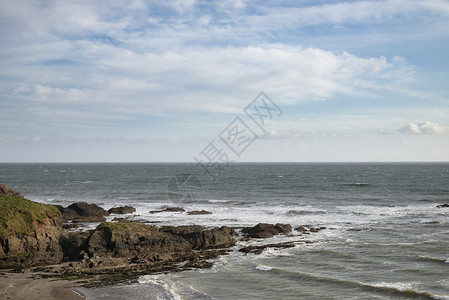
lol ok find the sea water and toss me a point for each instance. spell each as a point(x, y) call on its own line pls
point(384, 238)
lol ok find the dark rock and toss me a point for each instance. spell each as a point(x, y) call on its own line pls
point(168, 209)
point(69, 214)
point(81, 212)
point(125, 245)
point(199, 212)
point(90, 219)
point(122, 220)
point(200, 238)
point(264, 230)
point(308, 230)
point(445, 205)
point(70, 225)
point(73, 244)
point(85, 209)
point(122, 210)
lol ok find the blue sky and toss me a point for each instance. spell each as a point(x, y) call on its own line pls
point(151, 81)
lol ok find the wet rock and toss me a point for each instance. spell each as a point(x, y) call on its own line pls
point(122, 210)
point(445, 205)
point(199, 212)
point(85, 209)
point(81, 212)
point(308, 229)
point(122, 220)
point(168, 209)
point(264, 230)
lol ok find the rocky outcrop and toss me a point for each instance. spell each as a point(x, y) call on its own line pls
point(83, 212)
point(139, 246)
point(29, 232)
point(7, 191)
point(264, 230)
point(122, 210)
point(199, 212)
point(445, 205)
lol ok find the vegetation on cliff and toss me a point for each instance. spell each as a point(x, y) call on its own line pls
point(19, 216)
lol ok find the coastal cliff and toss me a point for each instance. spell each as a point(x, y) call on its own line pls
point(29, 231)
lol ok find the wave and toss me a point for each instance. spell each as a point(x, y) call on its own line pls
point(293, 212)
point(433, 259)
point(390, 288)
point(357, 184)
point(218, 201)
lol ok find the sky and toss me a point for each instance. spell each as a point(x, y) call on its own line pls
point(169, 81)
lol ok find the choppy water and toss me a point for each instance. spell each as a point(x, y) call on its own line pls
point(385, 238)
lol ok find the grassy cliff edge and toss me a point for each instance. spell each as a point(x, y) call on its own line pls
point(18, 216)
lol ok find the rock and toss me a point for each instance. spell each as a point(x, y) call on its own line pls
point(29, 232)
point(264, 230)
point(68, 214)
point(199, 212)
point(308, 230)
point(85, 209)
point(70, 225)
point(73, 244)
point(123, 245)
point(122, 220)
point(200, 238)
point(445, 205)
point(168, 209)
point(122, 210)
point(91, 219)
point(81, 212)
point(7, 191)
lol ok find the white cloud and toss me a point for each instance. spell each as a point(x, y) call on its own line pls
point(424, 128)
point(214, 79)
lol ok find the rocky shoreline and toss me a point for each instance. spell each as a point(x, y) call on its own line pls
point(34, 237)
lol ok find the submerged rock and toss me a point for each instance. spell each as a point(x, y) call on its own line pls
point(168, 209)
point(199, 212)
point(309, 229)
point(259, 249)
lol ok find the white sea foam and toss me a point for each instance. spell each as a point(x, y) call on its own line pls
point(263, 268)
point(400, 286)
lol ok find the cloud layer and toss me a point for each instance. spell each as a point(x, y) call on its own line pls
point(155, 70)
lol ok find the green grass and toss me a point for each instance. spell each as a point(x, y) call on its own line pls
point(112, 226)
point(18, 215)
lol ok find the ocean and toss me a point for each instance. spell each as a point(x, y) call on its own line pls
point(384, 238)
